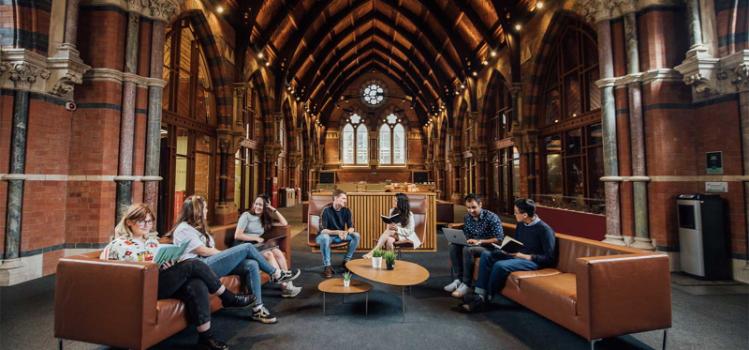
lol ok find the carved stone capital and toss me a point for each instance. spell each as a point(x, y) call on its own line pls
point(21, 69)
point(710, 77)
point(163, 10)
point(598, 10)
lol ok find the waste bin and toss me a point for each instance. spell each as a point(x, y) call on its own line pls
point(703, 236)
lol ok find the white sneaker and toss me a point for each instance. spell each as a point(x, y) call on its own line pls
point(461, 290)
point(290, 291)
point(452, 286)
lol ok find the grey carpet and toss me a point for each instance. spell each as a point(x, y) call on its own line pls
point(700, 321)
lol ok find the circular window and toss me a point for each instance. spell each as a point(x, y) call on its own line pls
point(373, 93)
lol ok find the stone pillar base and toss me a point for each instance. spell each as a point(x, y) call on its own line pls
point(226, 213)
point(614, 239)
point(643, 243)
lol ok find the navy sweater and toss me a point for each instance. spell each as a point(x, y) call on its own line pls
point(538, 240)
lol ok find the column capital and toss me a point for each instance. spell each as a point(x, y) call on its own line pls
point(22, 69)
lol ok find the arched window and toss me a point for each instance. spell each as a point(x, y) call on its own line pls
point(570, 126)
point(355, 142)
point(392, 141)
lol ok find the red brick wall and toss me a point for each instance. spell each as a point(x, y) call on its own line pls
point(101, 37)
point(662, 37)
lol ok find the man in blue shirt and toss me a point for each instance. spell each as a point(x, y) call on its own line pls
point(336, 226)
point(482, 228)
point(537, 252)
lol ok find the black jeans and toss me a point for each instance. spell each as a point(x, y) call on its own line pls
point(191, 281)
point(461, 259)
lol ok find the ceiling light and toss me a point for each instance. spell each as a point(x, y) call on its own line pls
point(518, 27)
point(267, 64)
point(494, 53)
point(260, 55)
point(219, 9)
point(474, 73)
point(539, 4)
point(484, 62)
point(462, 86)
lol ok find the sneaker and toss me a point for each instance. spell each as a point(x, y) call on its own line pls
point(328, 273)
point(212, 344)
point(288, 275)
point(237, 301)
point(477, 304)
point(291, 291)
point(461, 290)
point(452, 286)
point(262, 315)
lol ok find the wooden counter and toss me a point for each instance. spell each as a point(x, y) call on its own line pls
point(366, 208)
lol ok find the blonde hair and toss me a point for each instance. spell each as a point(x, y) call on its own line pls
point(134, 213)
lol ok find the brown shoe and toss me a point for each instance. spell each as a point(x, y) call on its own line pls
point(328, 273)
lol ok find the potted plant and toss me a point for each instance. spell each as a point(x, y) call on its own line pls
point(347, 279)
point(376, 258)
point(389, 259)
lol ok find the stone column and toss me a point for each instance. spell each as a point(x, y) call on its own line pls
point(127, 119)
point(695, 26)
point(608, 118)
point(153, 133)
point(14, 206)
point(71, 23)
point(637, 137)
point(744, 112)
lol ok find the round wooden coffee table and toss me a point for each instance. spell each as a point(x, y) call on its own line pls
point(404, 274)
point(335, 286)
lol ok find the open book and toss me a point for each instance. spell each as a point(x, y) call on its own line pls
point(509, 245)
point(392, 219)
point(169, 252)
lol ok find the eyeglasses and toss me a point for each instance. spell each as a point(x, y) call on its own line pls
point(145, 222)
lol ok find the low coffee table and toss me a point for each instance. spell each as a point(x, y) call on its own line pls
point(404, 274)
point(335, 286)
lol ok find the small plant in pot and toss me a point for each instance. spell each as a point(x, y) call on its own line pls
point(376, 258)
point(389, 259)
point(347, 279)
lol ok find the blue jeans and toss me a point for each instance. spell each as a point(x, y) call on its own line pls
point(243, 260)
point(324, 240)
point(493, 273)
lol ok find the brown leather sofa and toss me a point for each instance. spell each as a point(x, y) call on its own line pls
point(596, 290)
point(114, 302)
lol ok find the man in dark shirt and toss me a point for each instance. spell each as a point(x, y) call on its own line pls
point(336, 226)
point(482, 228)
point(537, 252)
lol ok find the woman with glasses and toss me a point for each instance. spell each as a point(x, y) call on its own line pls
point(252, 225)
point(243, 259)
point(189, 280)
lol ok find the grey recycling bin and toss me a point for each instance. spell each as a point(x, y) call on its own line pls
point(703, 236)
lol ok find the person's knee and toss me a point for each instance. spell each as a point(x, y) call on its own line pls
point(390, 240)
point(502, 266)
point(268, 255)
point(354, 236)
point(323, 239)
point(251, 265)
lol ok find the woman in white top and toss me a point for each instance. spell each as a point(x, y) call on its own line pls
point(252, 225)
point(403, 231)
point(191, 280)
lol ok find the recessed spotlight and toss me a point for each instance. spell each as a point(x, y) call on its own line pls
point(493, 53)
point(267, 64)
point(518, 27)
point(539, 4)
point(260, 55)
point(219, 9)
point(475, 73)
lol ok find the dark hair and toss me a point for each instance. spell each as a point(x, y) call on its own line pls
point(265, 218)
point(472, 197)
point(403, 207)
point(337, 192)
point(192, 214)
point(526, 206)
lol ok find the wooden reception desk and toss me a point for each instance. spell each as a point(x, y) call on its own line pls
point(366, 208)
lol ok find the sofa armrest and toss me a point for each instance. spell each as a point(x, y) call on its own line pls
point(626, 293)
point(105, 302)
point(282, 235)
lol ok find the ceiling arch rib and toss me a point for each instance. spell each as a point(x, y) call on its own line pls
point(342, 59)
point(442, 76)
point(373, 65)
point(417, 79)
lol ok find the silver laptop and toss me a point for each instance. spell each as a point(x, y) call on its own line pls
point(455, 236)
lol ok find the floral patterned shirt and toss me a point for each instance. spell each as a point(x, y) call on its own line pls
point(131, 249)
point(486, 226)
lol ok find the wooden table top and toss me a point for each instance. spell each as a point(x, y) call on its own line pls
point(404, 273)
point(335, 285)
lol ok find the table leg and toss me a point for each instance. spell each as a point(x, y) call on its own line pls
point(403, 302)
point(323, 303)
point(366, 304)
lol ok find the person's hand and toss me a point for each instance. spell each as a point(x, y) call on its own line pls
point(472, 241)
point(167, 264)
point(259, 240)
point(342, 234)
point(522, 256)
point(271, 208)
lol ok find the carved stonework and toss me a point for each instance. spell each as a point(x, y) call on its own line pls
point(598, 10)
point(21, 69)
point(710, 77)
point(164, 10)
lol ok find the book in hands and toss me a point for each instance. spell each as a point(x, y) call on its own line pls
point(509, 245)
point(169, 252)
point(392, 219)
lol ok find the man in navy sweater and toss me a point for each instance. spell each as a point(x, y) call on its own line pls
point(496, 265)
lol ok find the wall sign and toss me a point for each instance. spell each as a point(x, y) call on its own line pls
point(716, 187)
point(714, 163)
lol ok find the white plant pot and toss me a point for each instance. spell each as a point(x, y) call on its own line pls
point(376, 262)
point(346, 283)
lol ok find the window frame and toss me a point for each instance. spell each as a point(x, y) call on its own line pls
point(355, 126)
point(391, 142)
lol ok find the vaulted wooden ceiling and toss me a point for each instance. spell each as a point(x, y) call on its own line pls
point(319, 47)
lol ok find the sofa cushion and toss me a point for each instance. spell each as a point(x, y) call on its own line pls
point(554, 296)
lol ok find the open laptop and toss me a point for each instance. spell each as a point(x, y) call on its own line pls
point(455, 236)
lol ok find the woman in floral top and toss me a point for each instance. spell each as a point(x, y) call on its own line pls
point(189, 280)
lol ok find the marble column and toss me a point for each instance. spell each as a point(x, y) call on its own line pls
point(153, 133)
point(127, 119)
point(71, 23)
point(14, 204)
point(744, 115)
point(637, 137)
point(695, 25)
point(608, 119)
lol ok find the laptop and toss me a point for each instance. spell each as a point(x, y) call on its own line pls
point(455, 236)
